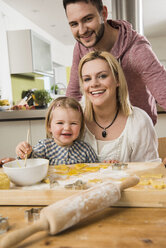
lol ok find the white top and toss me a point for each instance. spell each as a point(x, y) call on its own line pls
point(137, 143)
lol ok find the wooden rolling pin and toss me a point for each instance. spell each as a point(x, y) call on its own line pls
point(68, 212)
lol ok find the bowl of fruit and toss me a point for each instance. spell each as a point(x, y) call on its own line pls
point(4, 105)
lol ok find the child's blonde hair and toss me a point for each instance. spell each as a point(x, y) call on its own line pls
point(64, 102)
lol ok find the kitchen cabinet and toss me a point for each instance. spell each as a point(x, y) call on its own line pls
point(13, 132)
point(29, 53)
point(37, 128)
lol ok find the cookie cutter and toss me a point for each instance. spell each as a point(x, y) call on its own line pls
point(4, 225)
point(33, 214)
point(78, 185)
point(119, 166)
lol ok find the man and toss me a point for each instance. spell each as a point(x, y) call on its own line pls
point(145, 76)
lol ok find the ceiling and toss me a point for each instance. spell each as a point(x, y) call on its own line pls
point(50, 16)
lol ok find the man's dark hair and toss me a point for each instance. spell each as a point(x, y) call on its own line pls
point(97, 3)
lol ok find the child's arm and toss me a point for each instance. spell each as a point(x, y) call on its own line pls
point(22, 149)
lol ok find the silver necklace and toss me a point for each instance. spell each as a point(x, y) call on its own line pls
point(104, 133)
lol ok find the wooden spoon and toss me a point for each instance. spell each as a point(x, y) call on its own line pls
point(25, 161)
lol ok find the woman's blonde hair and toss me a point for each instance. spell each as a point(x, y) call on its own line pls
point(64, 102)
point(118, 75)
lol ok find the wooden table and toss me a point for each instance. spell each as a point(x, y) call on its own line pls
point(114, 227)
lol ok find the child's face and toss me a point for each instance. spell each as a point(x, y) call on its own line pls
point(65, 125)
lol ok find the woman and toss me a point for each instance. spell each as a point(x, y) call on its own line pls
point(115, 129)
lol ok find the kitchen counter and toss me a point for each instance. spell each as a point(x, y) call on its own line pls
point(15, 115)
point(114, 227)
point(32, 114)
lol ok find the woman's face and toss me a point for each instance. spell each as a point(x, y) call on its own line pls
point(65, 125)
point(98, 82)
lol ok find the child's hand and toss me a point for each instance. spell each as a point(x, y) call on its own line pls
point(22, 149)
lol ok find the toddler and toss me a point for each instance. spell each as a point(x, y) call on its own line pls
point(64, 129)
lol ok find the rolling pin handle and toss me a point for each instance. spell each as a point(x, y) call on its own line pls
point(129, 182)
point(17, 236)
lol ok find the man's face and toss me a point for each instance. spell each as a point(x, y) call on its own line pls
point(86, 23)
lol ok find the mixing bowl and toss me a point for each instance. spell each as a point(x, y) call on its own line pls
point(34, 172)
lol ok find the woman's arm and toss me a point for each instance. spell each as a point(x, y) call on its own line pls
point(144, 141)
point(5, 160)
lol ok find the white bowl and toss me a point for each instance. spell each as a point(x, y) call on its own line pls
point(34, 172)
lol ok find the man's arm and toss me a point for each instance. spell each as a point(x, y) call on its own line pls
point(152, 72)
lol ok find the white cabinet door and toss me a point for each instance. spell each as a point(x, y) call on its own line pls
point(37, 129)
point(41, 53)
point(29, 53)
point(11, 133)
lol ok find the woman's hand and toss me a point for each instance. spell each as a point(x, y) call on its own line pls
point(111, 161)
point(23, 149)
point(5, 160)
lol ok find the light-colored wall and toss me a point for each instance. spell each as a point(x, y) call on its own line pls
point(159, 47)
point(20, 83)
point(10, 19)
point(5, 82)
point(160, 127)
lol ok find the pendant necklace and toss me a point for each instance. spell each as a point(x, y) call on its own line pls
point(104, 133)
